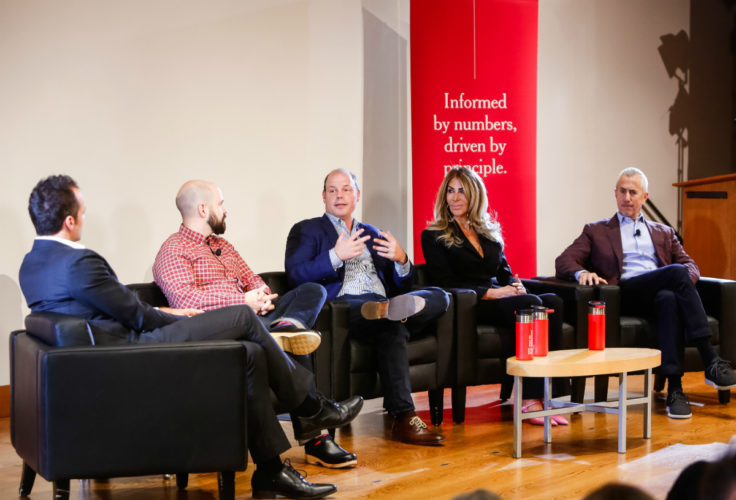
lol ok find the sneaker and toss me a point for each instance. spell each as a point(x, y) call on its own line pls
point(720, 375)
point(678, 405)
point(324, 451)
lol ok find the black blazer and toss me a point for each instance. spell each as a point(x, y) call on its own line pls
point(462, 266)
point(57, 278)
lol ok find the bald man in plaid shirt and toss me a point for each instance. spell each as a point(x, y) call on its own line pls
point(198, 267)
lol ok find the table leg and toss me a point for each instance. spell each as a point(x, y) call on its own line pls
point(547, 418)
point(648, 404)
point(517, 416)
point(622, 406)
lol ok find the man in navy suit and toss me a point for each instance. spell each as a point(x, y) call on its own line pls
point(657, 279)
point(363, 266)
point(59, 275)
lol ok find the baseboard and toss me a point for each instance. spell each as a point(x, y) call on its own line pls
point(4, 401)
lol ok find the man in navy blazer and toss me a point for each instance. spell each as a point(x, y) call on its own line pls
point(657, 279)
point(362, 265)
point(59, 275)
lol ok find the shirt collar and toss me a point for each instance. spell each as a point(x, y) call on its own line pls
point(622, 219)
point(63, 241)
point(337, 221)
point(194, 236)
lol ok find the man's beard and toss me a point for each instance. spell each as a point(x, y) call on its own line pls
point(217, 226)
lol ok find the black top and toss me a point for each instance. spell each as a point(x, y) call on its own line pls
point(461, 266)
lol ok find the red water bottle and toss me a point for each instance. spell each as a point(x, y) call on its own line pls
point(596, 325)
point(524, 335)
point(541, 330)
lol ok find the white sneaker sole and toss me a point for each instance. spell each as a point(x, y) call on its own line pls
point(718, 387)
point(678, 416)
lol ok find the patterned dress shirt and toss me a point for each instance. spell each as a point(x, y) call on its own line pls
point(201, 272)
point(360, 272)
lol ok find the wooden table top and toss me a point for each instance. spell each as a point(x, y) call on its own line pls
point(583, 362)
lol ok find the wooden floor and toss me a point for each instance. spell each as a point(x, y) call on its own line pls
point(581, 457)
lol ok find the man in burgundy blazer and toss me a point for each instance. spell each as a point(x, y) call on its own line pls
point(657, 280)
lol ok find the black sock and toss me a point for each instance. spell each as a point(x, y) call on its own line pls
point(674, 382)
point(706, 351)
point(271, 466)
point(310, 406)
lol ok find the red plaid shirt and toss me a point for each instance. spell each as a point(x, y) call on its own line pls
point(192, 275)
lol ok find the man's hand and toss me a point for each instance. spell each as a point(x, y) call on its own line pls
point(181, 312)
point(588, 278)
point(350, 247)
point(260, 299)
point(388, 246)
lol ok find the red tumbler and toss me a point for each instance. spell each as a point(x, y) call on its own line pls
point(524, 335)
point(541, 330)
point(596, 325)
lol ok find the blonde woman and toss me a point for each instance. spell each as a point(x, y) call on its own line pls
point(464, 248)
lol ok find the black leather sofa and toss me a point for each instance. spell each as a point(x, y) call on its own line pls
point(80, 411)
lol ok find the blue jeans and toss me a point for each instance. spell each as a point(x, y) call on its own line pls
point(300, 306)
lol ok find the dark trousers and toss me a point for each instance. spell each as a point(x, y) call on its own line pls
point(300, 305)
point(389, 339)
point(668, 297)
point(501, 312)
point(268, 366)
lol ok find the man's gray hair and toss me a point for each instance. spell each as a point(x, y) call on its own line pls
point(632, 171)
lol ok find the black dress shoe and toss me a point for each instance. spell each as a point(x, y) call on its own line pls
point(326, 452)
point(330, 416)
point(287, 483)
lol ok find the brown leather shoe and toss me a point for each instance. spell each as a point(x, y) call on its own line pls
point(411, 429)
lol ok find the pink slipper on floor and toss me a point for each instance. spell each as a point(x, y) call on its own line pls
point(559, 420)
point(537, 420)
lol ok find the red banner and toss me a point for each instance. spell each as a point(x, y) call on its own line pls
point(474, 104)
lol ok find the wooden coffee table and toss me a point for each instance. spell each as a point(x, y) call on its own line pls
point(582, 362)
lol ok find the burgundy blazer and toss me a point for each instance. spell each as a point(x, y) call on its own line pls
point(598, 249)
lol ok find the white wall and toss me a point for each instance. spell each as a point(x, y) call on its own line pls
point(265, 96)
point(134, 98)
point(603, 100)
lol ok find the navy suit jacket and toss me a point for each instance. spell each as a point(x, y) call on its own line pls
point(598, 249)
point(55, 277)
point(308, 258)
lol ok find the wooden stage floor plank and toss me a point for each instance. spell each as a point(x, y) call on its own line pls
point(477, 454)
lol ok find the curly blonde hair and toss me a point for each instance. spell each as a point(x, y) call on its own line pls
point(478, 217)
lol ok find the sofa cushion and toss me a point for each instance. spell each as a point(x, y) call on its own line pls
point(60, 330)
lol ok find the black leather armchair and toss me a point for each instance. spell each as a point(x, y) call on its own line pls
point(718, 296)
point(83, 411)
point(719, 301)
point(481, 349)
point(345, 367)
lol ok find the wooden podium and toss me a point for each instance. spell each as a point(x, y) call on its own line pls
point(709, 224)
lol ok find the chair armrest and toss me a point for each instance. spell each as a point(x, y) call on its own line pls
point(719, 301)
point(57, 329)
point(128, 409)
point(332, 358)
point(575, 298)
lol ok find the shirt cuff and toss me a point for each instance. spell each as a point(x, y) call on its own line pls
point(335, 260)
point(403, 270)
point(578, 273)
